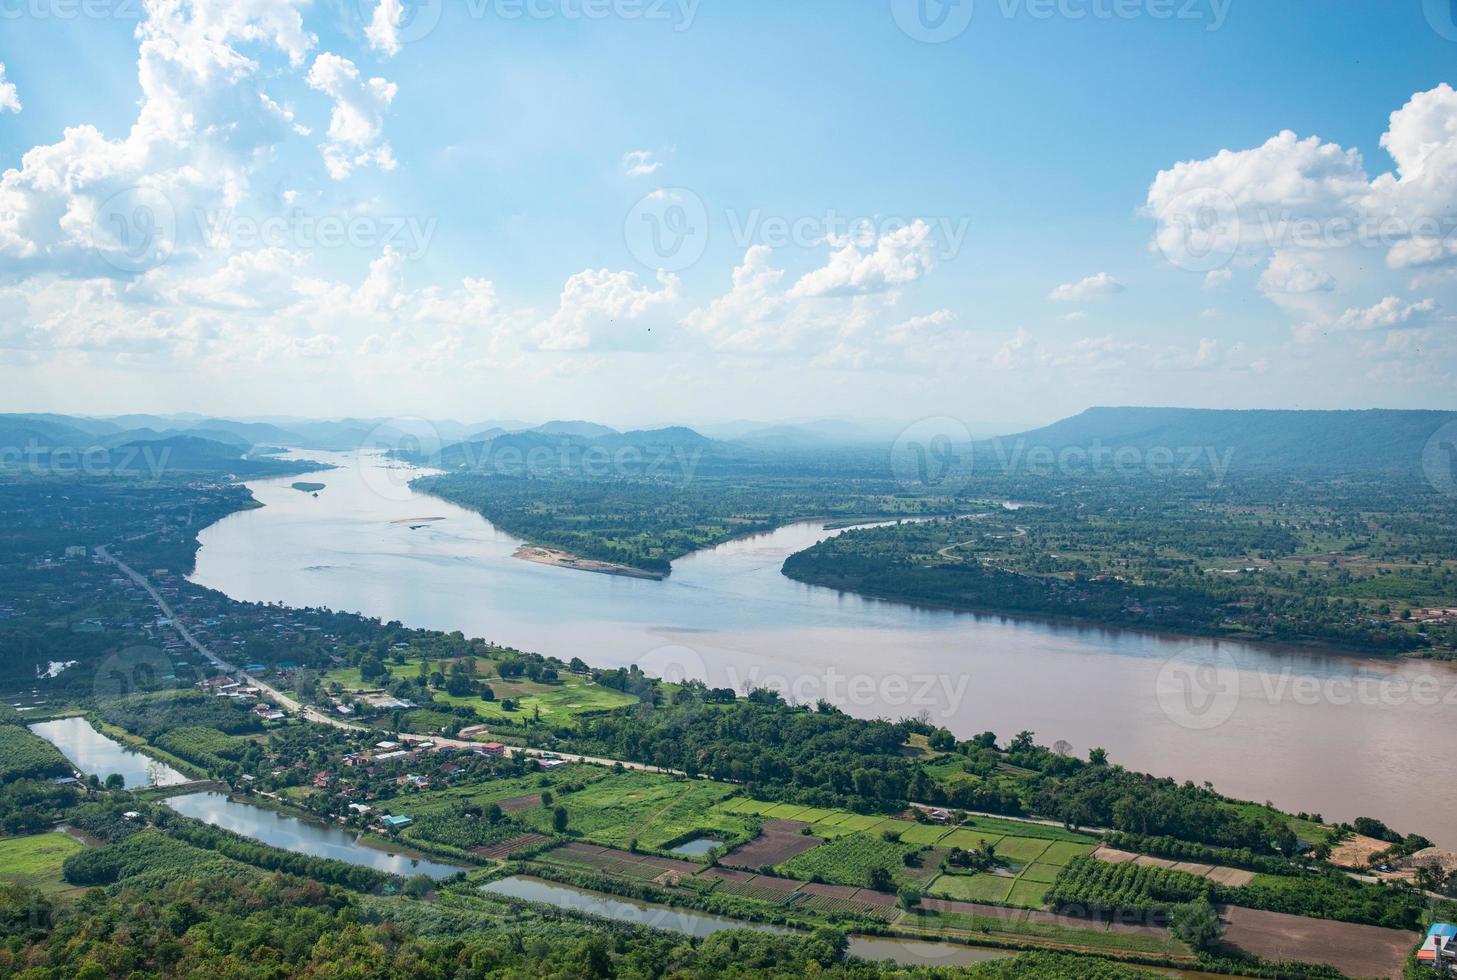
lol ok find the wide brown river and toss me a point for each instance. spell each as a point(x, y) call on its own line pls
point(1308, 729)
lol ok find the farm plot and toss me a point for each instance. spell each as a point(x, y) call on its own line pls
point(1020, 850)
point(968, 839)
point(622, 864)
point(506, 848)
point(849, 860)
point(744, 884)
point(973, 888)
point(925, 834)
point(778, 841)
point(1355, 950)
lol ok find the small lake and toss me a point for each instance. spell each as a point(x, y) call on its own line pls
point(291, 833)
point(697, 847)
point(97, 755)
point(700, 924)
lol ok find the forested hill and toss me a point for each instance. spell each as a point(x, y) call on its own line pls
point(1376, 440)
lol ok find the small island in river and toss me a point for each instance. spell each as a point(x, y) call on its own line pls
point(565, 559)
point(312, 488)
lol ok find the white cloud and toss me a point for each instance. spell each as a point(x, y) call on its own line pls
point(1287, 274)
point(90, 206)
point(1309, 212)
point(862, 263)
point(640, 163)
point(1389, 314)
point(356, 124)
point(1074, 316)
point(1093, 287)
point(9, 98)
point(597, 307)
point(383, 30)
point(1215, 278)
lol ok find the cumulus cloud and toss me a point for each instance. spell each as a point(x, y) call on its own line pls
point(598, 305)
point(1288, 274)
point(1389, 314)
point(862, 263)
point(1093, 287)
point(92, 206)
point(9, 97)
point(356, 125)
point(1215, 278)
point(1306, 209)
point(383, 30)
point(640, 163)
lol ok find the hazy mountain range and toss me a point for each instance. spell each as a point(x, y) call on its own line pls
point(1377, 439)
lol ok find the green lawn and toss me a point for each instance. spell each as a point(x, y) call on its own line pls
point(35, 861)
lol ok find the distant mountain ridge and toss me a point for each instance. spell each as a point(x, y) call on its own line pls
point(1356, 440)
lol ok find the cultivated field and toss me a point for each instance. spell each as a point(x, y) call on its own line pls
point(1355, 950)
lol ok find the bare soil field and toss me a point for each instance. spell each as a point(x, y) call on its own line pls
point(504, 849)
point(1356, 852)
point(1355, 950)
point(779, 841)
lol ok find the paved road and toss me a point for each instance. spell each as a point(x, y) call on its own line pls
point(310, 713)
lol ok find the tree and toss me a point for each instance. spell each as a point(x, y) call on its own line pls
point(418, 886)
point(1197, 924)
point(115, 781)
point(908, 897)
point(879, 880)
point(559, 819)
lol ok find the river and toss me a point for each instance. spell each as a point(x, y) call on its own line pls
point(1308, 729)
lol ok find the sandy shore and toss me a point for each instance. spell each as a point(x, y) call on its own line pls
point(565, 559)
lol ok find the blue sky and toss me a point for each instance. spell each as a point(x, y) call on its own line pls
point(500, 163)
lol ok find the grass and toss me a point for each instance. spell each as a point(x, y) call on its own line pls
point(1020, 850)
point(973, 888)
point(1029, 893)
point(35, 861)
point(954, 922)
point(611, 809)
point(924, 834)
point(570, 696)
point(967, 839)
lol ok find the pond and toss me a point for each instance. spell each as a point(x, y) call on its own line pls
point(697, 847)
point(97, 755)
point(291, 833)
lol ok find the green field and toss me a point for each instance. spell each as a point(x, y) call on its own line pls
point(35, 861)
point(973, 888)
point(611, 809)
point(848, 860)
point(570, 696)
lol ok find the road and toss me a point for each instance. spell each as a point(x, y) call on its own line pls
point(309, 713)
